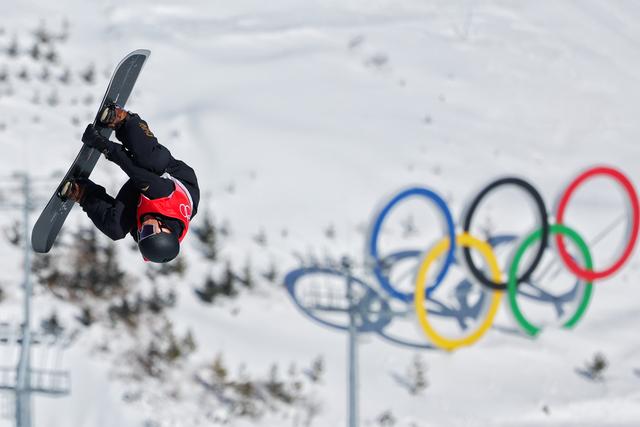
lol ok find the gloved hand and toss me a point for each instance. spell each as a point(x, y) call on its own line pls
point(93, 139)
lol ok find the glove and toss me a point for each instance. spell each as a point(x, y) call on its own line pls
point(93, 139)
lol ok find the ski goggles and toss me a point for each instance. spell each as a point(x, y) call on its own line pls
point(148, 230)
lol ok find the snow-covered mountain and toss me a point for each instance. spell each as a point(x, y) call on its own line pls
point(300, 119)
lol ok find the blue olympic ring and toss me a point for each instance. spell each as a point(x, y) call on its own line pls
point(372, 245)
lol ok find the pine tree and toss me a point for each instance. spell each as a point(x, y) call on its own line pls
point(189, 343)
point(207, 236)
point(275, 386)
point(174, 352)
point(42, 35)
point(13, 234)
point(86, 317)
point(124, 312)
point(317, 369)
point(53, 99)
point(51, 325)
point(386, 419)
point(64, 33)
point(225, 229)
point(91, 268)
point(227, 287)
point(417, 376)
point(45, 74)
point(35, 52)
point(597, 366)
point(330, 232)
point(261, 238)
point(138, 304)
point(23, 74)
point(209, 290)
point(89, 75)
point(177, 266)
point(65, 77)
point(271, 274)
point(113, 274)
point(149, 359)
point(51, 56)
point(247, 279)
point(13, 48)
point(155, 303)
point(171, 299)
point(84, 261)
point(219, 370)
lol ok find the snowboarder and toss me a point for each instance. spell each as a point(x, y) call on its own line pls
point(158, 201)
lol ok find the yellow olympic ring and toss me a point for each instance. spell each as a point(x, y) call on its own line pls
point(462, 240)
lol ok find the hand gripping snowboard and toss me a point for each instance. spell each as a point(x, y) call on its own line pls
point(54, 214)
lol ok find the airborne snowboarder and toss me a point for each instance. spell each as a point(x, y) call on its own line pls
point(158, 201)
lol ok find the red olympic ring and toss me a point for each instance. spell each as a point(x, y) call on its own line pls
point(591, 275)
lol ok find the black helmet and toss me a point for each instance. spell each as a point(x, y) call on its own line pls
point(160, 247)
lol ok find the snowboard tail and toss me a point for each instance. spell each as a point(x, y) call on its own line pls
point(52, 218)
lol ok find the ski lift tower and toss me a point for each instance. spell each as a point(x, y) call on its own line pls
point(364, 311)
point(22, 379)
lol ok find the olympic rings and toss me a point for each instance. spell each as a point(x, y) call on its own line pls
point(588, 274)
point(491, 307)
point(543, 224)
point(587, 288)
point(372, 244)
point(485, 308)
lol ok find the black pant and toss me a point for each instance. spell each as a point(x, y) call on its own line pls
point(144, 160)
point(142, 146)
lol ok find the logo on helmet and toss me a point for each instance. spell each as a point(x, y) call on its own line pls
point(185, 210)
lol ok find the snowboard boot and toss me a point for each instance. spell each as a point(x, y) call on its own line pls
point(72, 190)
point(112, 116)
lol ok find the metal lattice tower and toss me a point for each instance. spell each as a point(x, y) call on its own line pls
point(348, 302)
point(22, 379)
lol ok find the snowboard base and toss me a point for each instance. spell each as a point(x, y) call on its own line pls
point(52, 218)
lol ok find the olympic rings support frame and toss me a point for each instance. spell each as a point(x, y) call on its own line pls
point(372, 251)
point(366, 326)
point(557, 229)
point(543, 225)
point(370, 298)
point(633, 215)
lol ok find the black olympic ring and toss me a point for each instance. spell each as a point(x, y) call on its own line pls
point(544, 226)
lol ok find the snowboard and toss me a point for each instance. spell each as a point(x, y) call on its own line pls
point(52, 218)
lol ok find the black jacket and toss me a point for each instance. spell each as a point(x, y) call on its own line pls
point(144, 160)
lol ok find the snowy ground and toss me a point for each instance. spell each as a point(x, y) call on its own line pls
point(299, 117)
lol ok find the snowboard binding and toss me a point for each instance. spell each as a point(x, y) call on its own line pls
point(113, 116)
point(71, 190)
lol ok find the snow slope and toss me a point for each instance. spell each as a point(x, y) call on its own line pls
point(299, 116)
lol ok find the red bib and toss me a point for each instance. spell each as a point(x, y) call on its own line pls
point(177, 205)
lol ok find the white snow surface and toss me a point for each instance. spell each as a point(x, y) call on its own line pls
point(298, 116)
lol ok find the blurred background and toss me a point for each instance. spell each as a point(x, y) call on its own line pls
point(302, 120)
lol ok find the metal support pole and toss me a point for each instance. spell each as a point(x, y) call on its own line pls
point(353, 350)
point(23, 386)
point(22, 379)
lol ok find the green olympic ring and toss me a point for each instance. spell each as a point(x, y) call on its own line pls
point(512, 284)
